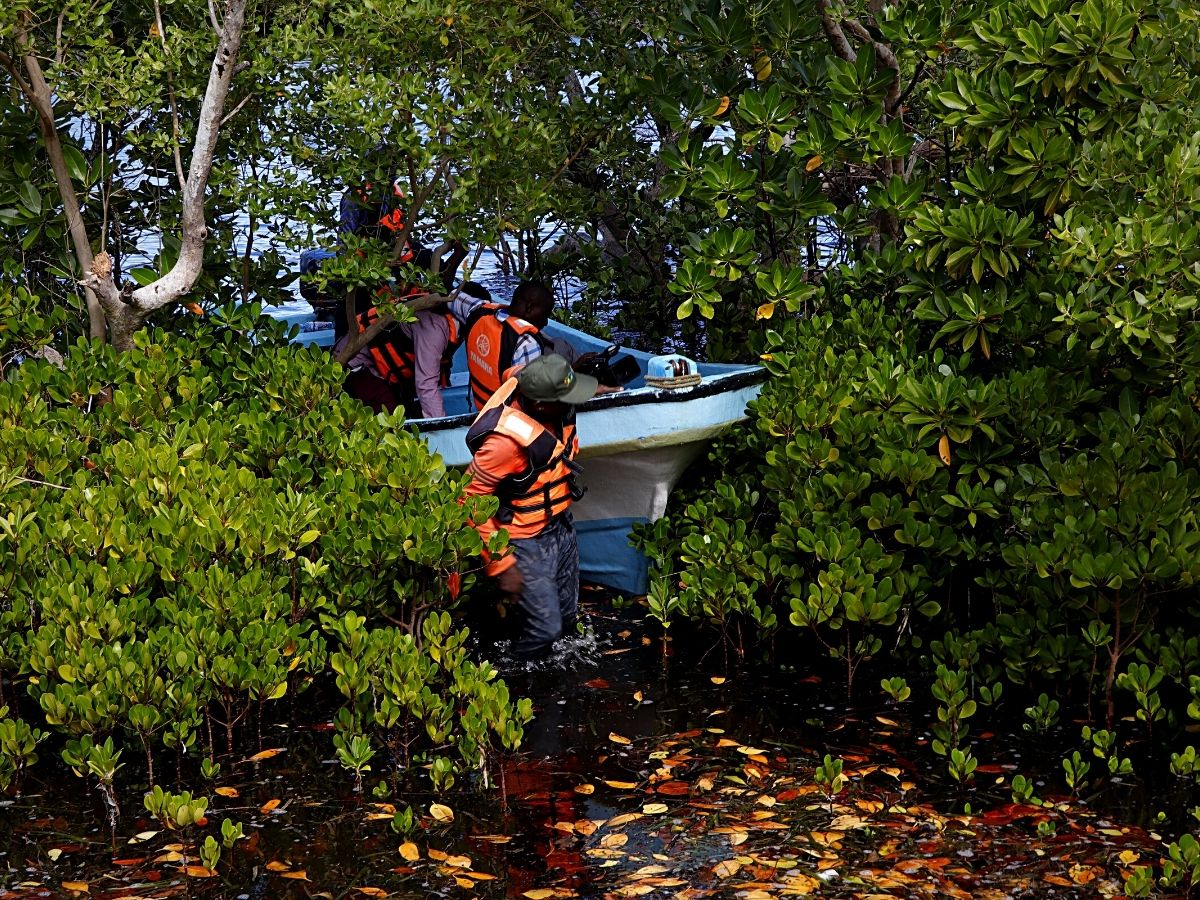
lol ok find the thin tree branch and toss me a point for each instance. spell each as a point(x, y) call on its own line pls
point(833, 31)
point(37, 92)
point(175, 129)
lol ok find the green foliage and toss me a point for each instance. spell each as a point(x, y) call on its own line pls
point(181, 552)
point(983, 409)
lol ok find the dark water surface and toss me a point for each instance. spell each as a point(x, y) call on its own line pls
point(640, 776)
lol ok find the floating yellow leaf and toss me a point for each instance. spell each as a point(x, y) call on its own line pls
point(623, 819)
point(464, 882)
point(80, 887)
point(1128, 857)
point(720, 679)
point(459, 862)
point(738, 838)
point(585, 827)
point(266, 754)
point(197, 871)
point(269, 806)
point(568, 827)
point(585, 788)
point(751, 751)
point(298, 875)
point(441, 812)
point(226, 791)
point(727, 868)
point(410, 851)
point(618, 738)
point(653, 809)
point(814, 163)
point(142, 836)
point(637, 696)
point(438, 855)
point(539, 893)
point(884, 720)
point(611, 841)
point(621, 785)
point(277, 866)
point(372, 891)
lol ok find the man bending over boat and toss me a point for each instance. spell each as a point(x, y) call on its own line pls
point(523, 447)
point(499, 338)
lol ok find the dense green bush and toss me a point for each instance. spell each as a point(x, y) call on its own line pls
point(187, 530)
point(988, 430)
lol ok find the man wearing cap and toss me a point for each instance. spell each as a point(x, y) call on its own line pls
point(523, 447)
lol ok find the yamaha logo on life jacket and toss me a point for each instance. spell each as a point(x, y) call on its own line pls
point(483, 349)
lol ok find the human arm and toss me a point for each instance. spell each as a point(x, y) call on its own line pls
point(498, 458)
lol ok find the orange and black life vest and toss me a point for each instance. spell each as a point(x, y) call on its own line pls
point(395, 354)
point(529, 499)
point(491, 344)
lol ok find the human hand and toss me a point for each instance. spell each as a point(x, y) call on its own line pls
point(608, 389)
point(510, 580)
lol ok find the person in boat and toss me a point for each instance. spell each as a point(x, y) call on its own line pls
point(501, 338)
point(523, 447)
point(408, 363)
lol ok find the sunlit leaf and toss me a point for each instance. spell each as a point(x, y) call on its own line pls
point(226, 791)
point(441, 812)
point(199, 871)
point(653, 809)
point(727, 868)
point(277, 866)
point(269, 806)
point(585, 788)
point(621, 785)
point(410, 851)
point(80, 887)
point(298, 875)
point(618, 738)
point(266, 754)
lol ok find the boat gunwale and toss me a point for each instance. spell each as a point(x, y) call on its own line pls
point(716, 383)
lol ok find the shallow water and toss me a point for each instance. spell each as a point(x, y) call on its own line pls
point(641, 775)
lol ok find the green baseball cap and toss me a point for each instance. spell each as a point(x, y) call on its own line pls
point(550, 377)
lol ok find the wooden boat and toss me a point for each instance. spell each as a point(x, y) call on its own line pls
point(634, 446)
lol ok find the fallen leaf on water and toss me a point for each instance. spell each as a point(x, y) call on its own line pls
point(618, 738)
point(266, 754)
point(438, 855)
point(610, 841)
point(621, 785)
point(459, 862)
point(54, 854)
point(623, 819)
point(585, 827)
point(751, 751)
point(585, 788)
point(1058, 881)
point(441, 812)
point(269, 806)
point(717, 679)
point(410, 851)
point(568, 827)
point(884, 720)
point(673, 789)
point(142, 836)
point(1128, 857)
point(738, 838)
point(653, 809)
point(598, 683)
point(727, 868)
point(299, 875)
point(132, 861)
point(493, 838)
point(464, 882)
point(726, 742)
point(637, 695)
point(198, 871)
point(610, 653)
point(372, 891)
point(277, 866)
point(539, 893)
point(226, 791)
point(80, 887)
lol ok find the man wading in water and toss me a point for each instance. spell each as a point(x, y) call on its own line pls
point(523, 444)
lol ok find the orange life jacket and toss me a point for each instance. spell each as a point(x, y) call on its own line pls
point(530, 498)
point(395, 354)
point(491, 344)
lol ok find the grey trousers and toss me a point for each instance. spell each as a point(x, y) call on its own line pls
point(549, 566)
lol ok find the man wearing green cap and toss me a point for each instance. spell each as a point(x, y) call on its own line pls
point(523, 447)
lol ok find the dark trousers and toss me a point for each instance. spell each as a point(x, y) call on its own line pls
point(381, 396)
point(549, 567)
